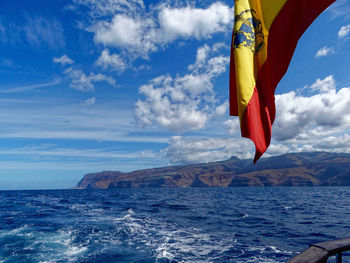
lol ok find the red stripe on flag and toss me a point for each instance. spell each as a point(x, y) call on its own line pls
point(256, 124)
point(289, 25)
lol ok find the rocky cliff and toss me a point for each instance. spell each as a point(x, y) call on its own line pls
point(296, 169)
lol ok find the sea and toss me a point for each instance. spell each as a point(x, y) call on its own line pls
point(267, 224)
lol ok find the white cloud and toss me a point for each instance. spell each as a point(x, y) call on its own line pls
point(222, 109)
point(278, 149)
point(122, 31)
point(219, 46)
point(184, 150)
point(134, 34)
point(198, 150)
point(83, 82)
point(184, 102)
point(325, 51)
point(232, 125)
point(89, 102)
point(168, 106)
point(302, 118)
point(114, 61)
point(344, 31)
point(201, 57)
point(139, 33)
point(193, 22)
point(332, 142)
point(63, 60)
point(325, 85)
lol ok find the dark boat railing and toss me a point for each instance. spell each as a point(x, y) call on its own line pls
point(320, 252)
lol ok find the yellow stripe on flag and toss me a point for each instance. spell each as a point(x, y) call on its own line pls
point(247, 63)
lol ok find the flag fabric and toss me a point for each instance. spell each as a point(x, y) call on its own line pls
point(265, 35)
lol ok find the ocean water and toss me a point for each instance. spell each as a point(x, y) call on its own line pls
point(169, 225)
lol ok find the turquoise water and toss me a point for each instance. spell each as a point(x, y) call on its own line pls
point(169, 225)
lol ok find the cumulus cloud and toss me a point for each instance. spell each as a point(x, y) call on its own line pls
point(139, 32)
point(198, 150)
point(220, 45)
point(201, 57)
point(232, 125)
point(64, 60)
point(83, 82)
point(185, 102)
point(317, 121)
point(221, 109)
point(325, 85)
point(315, 141)
point(166, 103)
point(325, 51)
point(112, 61)
point(184, 150)
point(344, 31)
point(334, 143)
point(193, 22)
point(134, 34)
point(307, 117)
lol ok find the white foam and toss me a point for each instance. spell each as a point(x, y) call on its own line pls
point(73, 251)
point(261, 252)
point(55, 246)
point(190, 244)
point(130, 211)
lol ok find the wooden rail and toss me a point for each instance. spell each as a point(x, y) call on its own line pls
point(320, 252)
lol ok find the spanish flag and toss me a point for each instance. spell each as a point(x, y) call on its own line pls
point(265, 35)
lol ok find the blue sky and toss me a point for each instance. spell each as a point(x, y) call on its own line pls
point(93, 85)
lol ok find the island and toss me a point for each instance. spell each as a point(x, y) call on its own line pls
point(294, 169)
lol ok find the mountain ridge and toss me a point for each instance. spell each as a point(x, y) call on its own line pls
point(292, 169)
